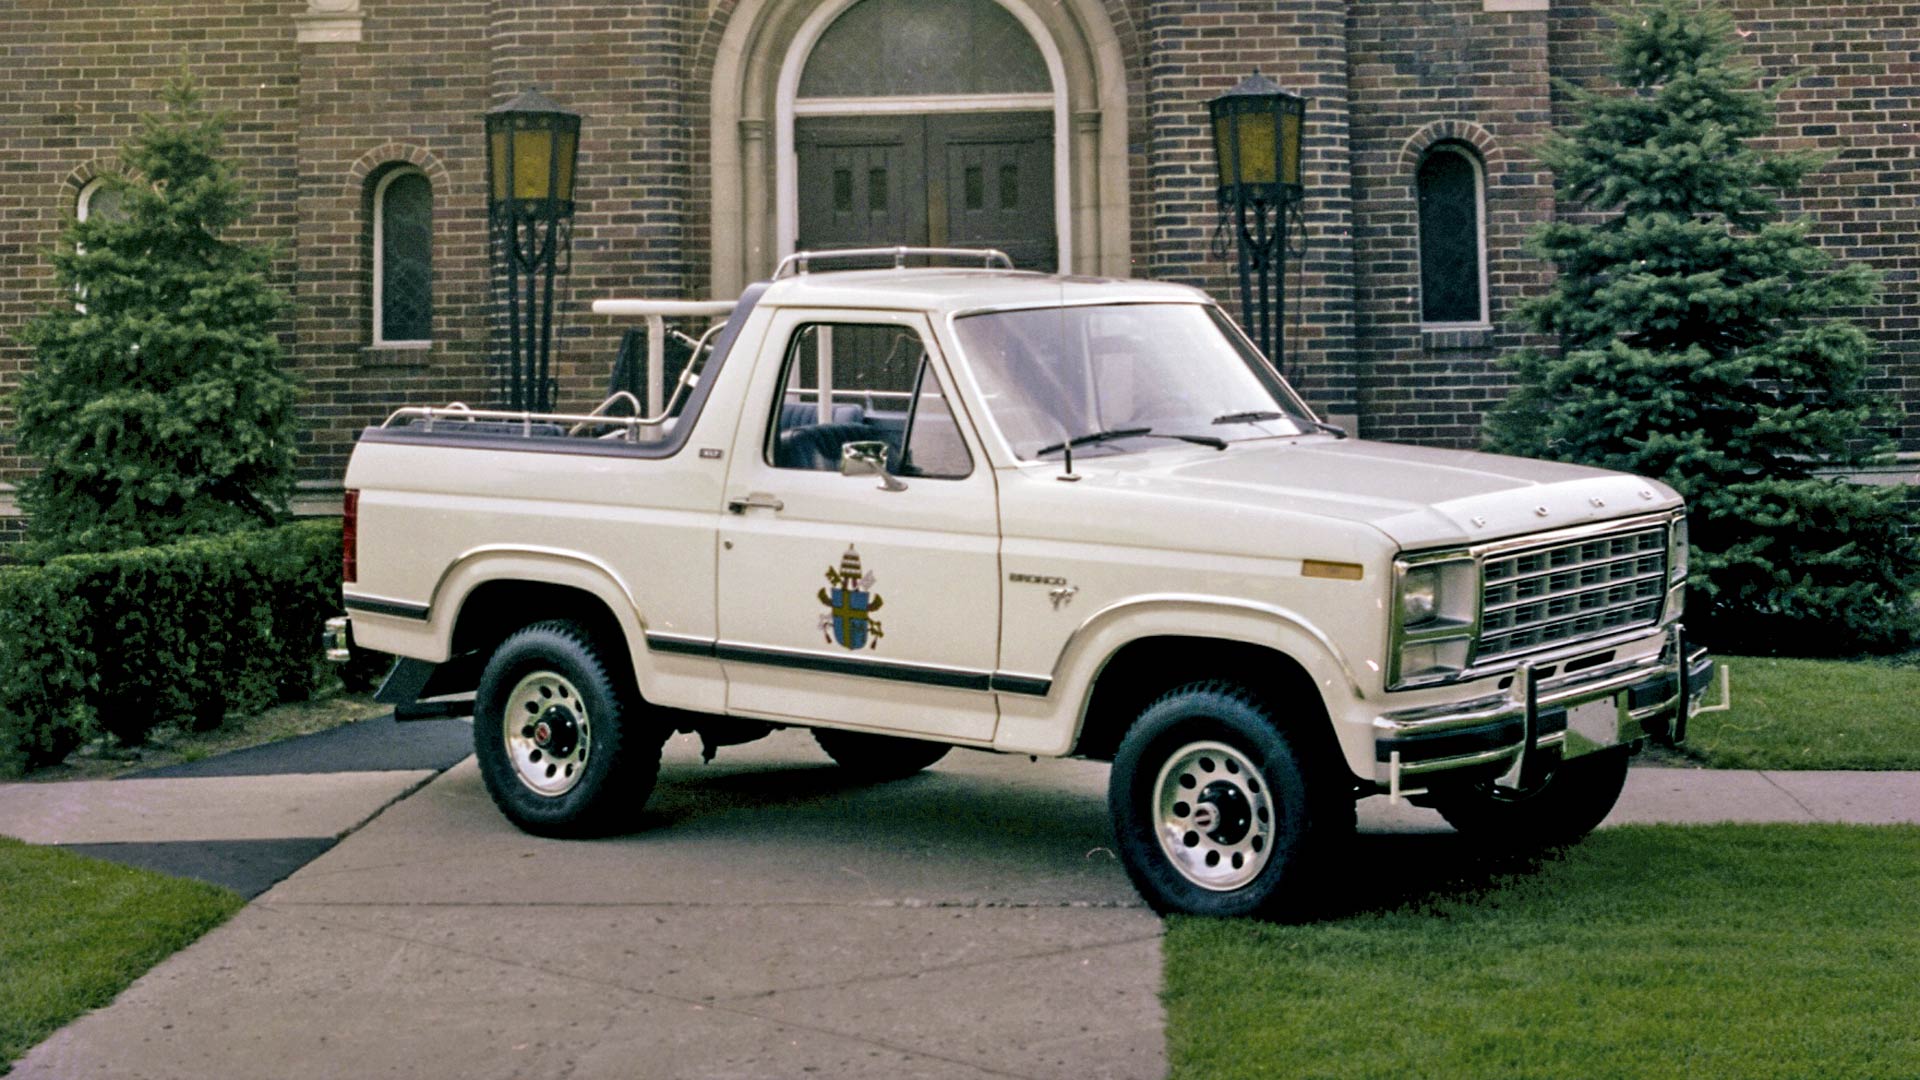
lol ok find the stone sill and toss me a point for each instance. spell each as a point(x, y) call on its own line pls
point(418, 354)
point(1440, 339)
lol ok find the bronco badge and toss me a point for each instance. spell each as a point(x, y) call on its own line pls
point(850, 594)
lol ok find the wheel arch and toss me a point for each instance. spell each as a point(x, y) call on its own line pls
point(1128, 654)
point(490, 593)
point(1139, 672)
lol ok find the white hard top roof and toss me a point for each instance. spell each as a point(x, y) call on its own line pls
point(948, 290)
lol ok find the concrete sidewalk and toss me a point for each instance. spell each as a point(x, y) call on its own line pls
point(245, 819)
point(772, 920)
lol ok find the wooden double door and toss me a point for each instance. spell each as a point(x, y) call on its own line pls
point(938, 179)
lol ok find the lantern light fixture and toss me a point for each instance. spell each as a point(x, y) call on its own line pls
point(1257, 129)
point(533, 147)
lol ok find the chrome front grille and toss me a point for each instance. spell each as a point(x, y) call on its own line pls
point(1562, 593)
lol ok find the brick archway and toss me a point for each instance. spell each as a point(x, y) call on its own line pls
point(747, 57)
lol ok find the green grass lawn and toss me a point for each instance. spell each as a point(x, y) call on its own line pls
point(1813, 714)
point(74, 932)
point(1646, 952)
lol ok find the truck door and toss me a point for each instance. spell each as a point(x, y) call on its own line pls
point(866, 601)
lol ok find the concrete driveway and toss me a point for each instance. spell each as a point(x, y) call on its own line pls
point(773, 921)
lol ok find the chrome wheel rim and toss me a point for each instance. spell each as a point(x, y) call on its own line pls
point(548, 733)
point(1213, 815)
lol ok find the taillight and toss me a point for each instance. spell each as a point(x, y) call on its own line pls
point(349, 538)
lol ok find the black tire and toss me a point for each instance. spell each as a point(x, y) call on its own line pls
point(1270, 817)
point(600, 756)
point(878, 757)
point(1570, 803)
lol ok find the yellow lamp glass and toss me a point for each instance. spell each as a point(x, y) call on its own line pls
point(1289, 148)
point(533, 149)
point(1255, 130)
point(1257, 156)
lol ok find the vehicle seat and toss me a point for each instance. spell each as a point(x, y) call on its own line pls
point(817, 446)
point(796, 414)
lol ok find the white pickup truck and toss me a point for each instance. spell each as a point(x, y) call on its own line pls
point(918, 508)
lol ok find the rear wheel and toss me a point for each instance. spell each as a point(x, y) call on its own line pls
point(1570, 803)
point(878, 757)
point(565, 745)
point(1216, 809)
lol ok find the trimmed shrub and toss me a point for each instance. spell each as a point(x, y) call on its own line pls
point(119, 643)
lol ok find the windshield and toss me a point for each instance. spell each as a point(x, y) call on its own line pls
point(1128, 372)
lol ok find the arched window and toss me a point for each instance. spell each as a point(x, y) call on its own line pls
point(1453, 238)
point(96, 198)
point(945, 48)
point(402, 258)
point(923, 122)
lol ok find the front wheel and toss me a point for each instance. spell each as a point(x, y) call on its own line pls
point(1216, 809)
point(564, 744)
point(1570, 803)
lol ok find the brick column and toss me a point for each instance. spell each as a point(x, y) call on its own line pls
point(1197, 51)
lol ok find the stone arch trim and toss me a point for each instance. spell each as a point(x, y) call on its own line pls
point(397, 153)
point(1464, 132)
point(732, 78)
point(86, 173)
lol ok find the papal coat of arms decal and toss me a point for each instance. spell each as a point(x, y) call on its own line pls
point(849, 593)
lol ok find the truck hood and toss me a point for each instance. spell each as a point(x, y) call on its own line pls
point(1420, 497)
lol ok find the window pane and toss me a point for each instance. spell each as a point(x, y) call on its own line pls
point(406, 259)
point(935, 446)
point(1050, 374)
point(1449, 239)
point(102, 203)
point(900, 48)
point(872, 370)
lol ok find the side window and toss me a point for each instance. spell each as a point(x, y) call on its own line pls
point(98, 200)
point(864, 382)
point(403, 258)
point(1453, 260)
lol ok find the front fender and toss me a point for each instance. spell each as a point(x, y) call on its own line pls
point(1052, 725)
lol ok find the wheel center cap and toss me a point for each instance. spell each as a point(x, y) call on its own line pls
point(557, 732)
point(1223, 813)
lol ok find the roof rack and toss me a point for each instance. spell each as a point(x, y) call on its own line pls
point(988, 257)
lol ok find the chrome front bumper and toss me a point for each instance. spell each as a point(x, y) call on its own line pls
point(1534, 721)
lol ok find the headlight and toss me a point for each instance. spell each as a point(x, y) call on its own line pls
point(1680, 549)
point(1435, 609)
point(1419, 595)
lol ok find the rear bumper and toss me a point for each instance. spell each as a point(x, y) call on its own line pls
point(1534, 719)
point(337, 639)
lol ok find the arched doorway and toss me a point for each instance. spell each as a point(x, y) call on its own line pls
point(760, 50)
point(922, 122)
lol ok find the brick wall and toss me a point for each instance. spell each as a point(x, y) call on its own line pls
point(1858, 99)
point(317, 122)
point(77, 75)
point(410, 92)
point(1199, 50)
point(1423, 72)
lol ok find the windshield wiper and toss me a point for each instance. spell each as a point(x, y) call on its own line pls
point(1131, 433)
point(1252, 416)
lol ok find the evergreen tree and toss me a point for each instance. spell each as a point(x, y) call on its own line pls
point(1704, 341)
point(155, 398)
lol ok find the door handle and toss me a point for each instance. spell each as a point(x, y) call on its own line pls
point(757, 500)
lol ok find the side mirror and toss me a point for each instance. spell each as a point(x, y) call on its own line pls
point(869, 458)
